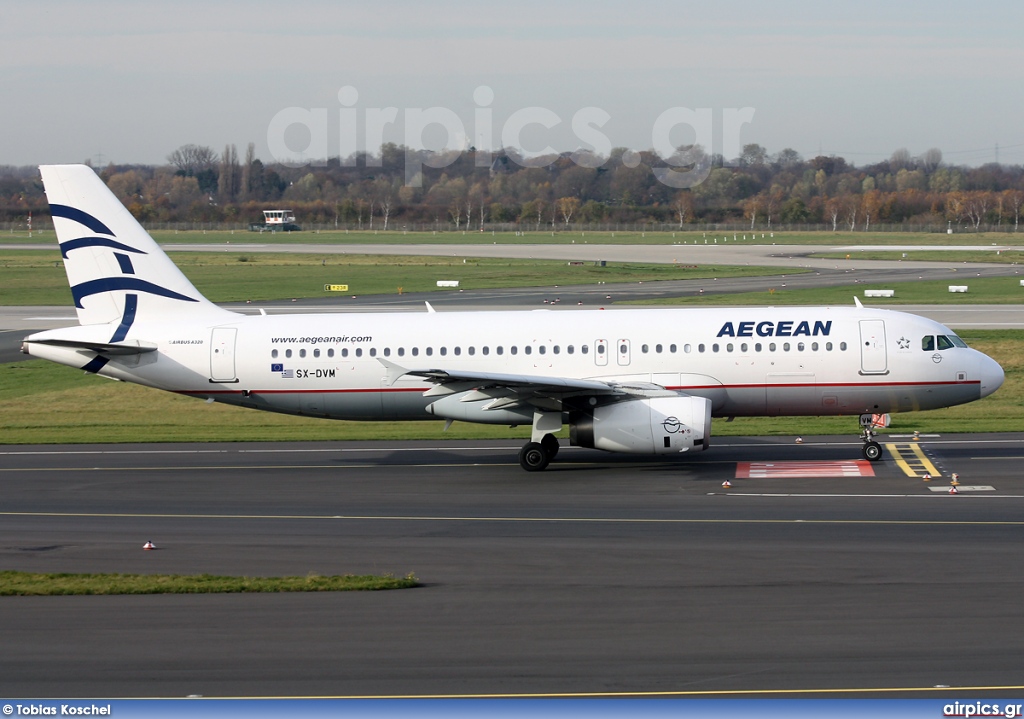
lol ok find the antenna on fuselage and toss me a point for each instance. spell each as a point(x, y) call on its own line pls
point(430, 309)
point(856, 301)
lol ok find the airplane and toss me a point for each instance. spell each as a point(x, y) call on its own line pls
point(639, 381)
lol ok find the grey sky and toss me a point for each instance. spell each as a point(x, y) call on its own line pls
point(135, 80)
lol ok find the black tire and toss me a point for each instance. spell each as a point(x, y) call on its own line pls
point(550, 445)
point(532, 457)
point(872, 451)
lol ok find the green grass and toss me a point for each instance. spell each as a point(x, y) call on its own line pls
point(560, 237)
point(981, 291)
point(31, 584)
point(1005, 257)
point(44, 403)
point(37, 278)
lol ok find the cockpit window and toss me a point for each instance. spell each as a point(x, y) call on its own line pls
point(957, 341)
point(928, 343)
point(945, 343)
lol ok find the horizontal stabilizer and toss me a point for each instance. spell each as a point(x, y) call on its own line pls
point(128, 347)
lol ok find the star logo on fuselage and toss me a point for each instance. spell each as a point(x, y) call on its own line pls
point(904, 343)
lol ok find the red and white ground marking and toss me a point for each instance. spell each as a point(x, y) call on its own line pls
point(797, 470)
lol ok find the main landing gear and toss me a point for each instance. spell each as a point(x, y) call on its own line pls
point(871, 450)
point(535, 456)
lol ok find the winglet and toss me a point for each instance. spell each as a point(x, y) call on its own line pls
point(856, 301)
point(394, 371)
point(430, 309)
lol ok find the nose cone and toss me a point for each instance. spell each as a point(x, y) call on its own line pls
point(991, 375)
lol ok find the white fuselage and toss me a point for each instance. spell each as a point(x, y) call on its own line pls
point(747, 361)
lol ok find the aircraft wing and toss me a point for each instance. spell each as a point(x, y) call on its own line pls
point(510, 389)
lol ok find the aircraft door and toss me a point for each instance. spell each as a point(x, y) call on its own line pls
point(872, 347)
point(601, 352)
point(622, 352)
point(222, 354)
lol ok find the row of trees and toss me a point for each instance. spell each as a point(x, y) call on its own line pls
point(470, 190)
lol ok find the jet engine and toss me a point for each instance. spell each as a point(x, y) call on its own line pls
point(655, 425)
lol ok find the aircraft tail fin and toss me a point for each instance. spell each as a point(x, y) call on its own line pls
point(117, 271)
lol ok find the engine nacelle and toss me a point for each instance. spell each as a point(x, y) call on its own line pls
point(657, 425)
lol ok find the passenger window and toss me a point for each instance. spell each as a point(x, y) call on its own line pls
point(600, 349)
point(944, 343)
point(486, 350)
point(401, 351)
point(799, 346)
point(415, 351)
point(287, 353)
point(555, 349)
point(514, 350)
point(570, 349)
point(771, 346)
point(785, 346)
point(458, 351)
point(657, 348)
point(686, 349)
point(757, 347)
point(528, 349)
point(728, 347)
point(542, 349)
point(700, 348)
point(430, 351)
point(387, 351)
point(273, 353)
point(842, 346)
point(828, 346)
point(443, 351)
point(373, 351)
point(743, 347)
point(344, 352)
point(643, 348)
point(359, 351)
point(472, 350)
point(302, 353)
point(585, 349)
point(499, 350)
point(814, 346)
point(714, 347)
point(672, 349)
point(316, 352)
point(928, 343)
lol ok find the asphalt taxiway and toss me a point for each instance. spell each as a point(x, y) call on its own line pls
point(604, 574)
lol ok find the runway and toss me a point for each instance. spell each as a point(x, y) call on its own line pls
point(603, 574)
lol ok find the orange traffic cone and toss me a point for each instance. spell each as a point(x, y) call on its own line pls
point(953, 490)
point(727, 484)
point(148, 546)
point(799, 440)
point(927, 477)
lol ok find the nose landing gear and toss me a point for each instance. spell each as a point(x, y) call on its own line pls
point(871, 450)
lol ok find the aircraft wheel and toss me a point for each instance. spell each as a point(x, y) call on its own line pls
point(550, 445)
point(872, 451)
point(532, 457)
